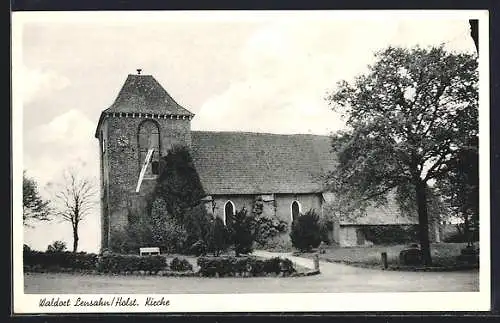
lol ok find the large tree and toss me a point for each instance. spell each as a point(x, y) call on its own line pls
point(34, 206)
point(74, 198)
point(407, 117)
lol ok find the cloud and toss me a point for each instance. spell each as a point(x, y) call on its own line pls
point(66, 141)
point(288, 68)
point(38, 83)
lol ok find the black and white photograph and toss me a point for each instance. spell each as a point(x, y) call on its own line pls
point(228, 161)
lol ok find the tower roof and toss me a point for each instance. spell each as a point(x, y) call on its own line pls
point(143, 94)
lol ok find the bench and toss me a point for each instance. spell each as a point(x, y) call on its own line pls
point(149, 251)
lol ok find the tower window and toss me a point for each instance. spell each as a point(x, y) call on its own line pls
point(149, 137)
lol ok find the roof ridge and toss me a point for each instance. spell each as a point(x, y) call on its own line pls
point(259, 133)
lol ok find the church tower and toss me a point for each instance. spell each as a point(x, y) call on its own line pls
point(143, 118)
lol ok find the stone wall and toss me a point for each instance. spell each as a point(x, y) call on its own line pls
point(121, 168)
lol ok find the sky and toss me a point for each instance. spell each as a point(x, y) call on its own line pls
point(249, 73)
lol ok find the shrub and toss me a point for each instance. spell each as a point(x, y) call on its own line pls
point(178, 264)
point(114, 263)
point(218, 236)
point(266, 229)
point(241, 226)
point(325, 227)
point(199, 248)
point(230, 266)
point(197, 223)
point(59, 259)
point(57, 246)
point(390, 234)
point(26, 248)
point(305, 233)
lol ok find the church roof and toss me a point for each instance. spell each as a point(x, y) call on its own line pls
point(259, 163)
point(143, 94)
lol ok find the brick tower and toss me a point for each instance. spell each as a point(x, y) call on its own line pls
point(142, 117)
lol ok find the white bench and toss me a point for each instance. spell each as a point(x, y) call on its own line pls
point(149, 251)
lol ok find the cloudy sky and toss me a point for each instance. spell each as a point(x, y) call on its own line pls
point(252, 72)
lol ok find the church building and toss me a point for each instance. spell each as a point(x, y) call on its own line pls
point(235, 168)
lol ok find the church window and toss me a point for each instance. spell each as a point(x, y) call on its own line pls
point(149, 137)
point(229, 209)
point(295, 210)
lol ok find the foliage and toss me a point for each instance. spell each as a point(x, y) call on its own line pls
point(178, 264)
point(166, 232)
point(461, 189)
point(114, 263)
point(232, 266)
point(74, 199)
point(34, 207)
point(218, 237)
point(57, 246)
point(59, 259)
point(461, 235)
point(178, 183)
point(325, 228)
point(407, 117)
point(390, 234)
point(26, 248)
point(305, 233)
point(241, 226)
point(266, 229)
point(197, 224)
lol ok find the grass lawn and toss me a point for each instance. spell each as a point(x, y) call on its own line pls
point(443, 254)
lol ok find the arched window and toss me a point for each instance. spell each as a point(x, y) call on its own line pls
point(295, 210)
point(229, 209)
point(149, 137)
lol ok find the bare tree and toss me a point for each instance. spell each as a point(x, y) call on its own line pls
point(74, 198)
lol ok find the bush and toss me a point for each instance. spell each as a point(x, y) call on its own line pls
point(266, 229)
point(241, 227)
point(199, 248)
point(230, 266)
point(26, 248)
point(55, 260)
point(57, 246)
point(390, 234)
point(305, 233)
point(325, 227)
point(218, 237)
point(118, 263)
point(197, 223)
point(178, 264)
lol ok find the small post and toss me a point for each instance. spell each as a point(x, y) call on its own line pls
point(384, 259)
point(316, 262)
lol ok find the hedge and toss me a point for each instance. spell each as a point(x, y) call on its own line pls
point(120, 263)
point(178, 264)
point(59, 259)
point(389, 234)
point(231, 266)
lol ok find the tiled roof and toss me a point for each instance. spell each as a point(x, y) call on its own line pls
point(142, 93)
point(251, 163)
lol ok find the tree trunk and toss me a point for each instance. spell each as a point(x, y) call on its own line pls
point(75, 238)
point(423, 222)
